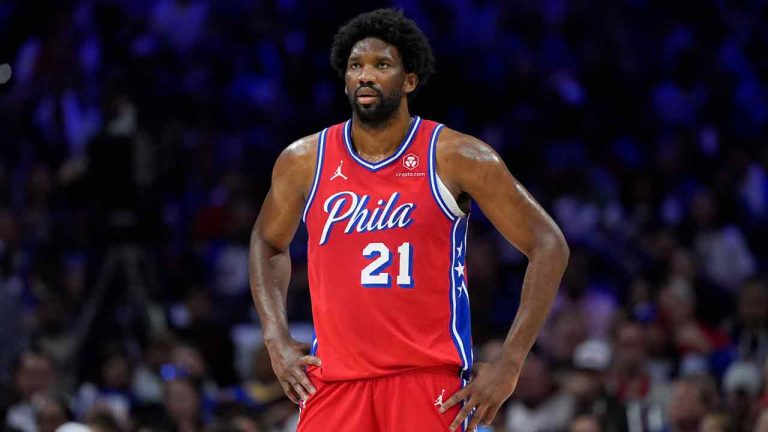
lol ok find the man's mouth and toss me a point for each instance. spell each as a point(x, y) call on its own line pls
point(365, 100)
point(366, 95)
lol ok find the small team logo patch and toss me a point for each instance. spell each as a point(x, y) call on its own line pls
point(410, 161)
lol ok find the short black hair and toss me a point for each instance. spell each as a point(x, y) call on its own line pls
point(391, 26)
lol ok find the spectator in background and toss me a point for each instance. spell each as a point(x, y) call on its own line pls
point(692, 399)
point(103, 421)
point(716, 422)
point(764, 397)
point(692, 339)
point(188, 362)
point(183, 404)
point(591, 361)
point(585, 423)
point(631, 379)
point(741, 386)
point(262, 388)
point(566, 330)
point(51, 411)
point(761, 425)
point(111, 393)
point(587, 307)
point(146, 383)
point(195, 321)
point(748, 329)
point(96, 422)
point(722, 247)
point(33, 373)
point(243, 420)
point(538, 403)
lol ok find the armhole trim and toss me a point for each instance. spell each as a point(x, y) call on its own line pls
point(318, 170)
point(440, 192)
point(448, 198)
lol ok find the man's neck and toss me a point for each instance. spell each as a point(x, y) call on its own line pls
point(377, 143)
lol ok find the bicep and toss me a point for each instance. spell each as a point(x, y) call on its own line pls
point(278, 219)
point(282, 208)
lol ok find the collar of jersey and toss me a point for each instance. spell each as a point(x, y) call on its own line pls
point(374, 166)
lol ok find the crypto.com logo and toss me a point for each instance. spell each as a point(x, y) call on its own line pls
point(410, 161)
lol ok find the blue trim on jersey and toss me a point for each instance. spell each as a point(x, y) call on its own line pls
point(465, 423)
point(433, 174)
point(318, 170)
point(460, 326)
point(468, 330)
point(313, 349)
point(371, 166)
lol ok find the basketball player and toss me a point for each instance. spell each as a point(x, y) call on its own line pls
point(385, 198)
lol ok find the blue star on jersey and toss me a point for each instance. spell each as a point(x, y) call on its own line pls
point(462, 287)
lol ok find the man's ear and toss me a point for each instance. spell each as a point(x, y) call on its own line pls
point(346, 92)
point(410, 83)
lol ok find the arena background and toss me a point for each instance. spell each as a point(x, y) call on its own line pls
point(136, 143)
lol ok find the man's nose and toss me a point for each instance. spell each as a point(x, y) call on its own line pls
point(366, 75)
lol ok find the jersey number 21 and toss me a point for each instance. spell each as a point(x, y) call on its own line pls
point(373, 275)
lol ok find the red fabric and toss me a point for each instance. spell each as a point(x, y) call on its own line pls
point(629, 389)
point(402, 402)
point(716, 339)
point(364, 331)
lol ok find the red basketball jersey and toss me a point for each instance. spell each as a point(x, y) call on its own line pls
point(386, 255)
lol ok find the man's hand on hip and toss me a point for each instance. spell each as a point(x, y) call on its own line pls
point(289, 358)
point(491, 385)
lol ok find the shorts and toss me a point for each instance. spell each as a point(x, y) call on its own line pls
point(403, 402)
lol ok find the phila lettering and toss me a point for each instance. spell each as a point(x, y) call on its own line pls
point(353, 209)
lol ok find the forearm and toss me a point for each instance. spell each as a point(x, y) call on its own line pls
point(542, 279)
point(270, 273)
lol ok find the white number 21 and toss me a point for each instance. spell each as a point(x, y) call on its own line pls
point(372, 276)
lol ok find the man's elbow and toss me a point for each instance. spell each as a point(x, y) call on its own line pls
point(553, 248)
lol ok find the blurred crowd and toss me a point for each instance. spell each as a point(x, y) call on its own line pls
point(136, 143)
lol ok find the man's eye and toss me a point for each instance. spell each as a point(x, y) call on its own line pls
point(383, 65)
point(354, 65)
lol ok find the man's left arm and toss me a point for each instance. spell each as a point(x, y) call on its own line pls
point(469, 165)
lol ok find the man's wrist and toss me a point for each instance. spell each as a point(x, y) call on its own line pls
point(276, 337)
point(512, 358)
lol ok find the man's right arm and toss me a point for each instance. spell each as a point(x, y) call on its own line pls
point(270, 263)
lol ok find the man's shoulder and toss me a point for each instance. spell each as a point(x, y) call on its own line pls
point(452, 144)
point(300, 153)
point(305, 147)
point(297, 160)
point(302, 147)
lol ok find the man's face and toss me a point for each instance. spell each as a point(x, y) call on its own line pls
point(685, 406)
point(35, 374)
point(585, 384)
point(752, 305)
point(630, 347)
point(535, 381)
point(376, 81)
point(181, 400)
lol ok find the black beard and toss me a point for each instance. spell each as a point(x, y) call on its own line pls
point(377, 115)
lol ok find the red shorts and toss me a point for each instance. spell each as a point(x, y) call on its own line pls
point(403, 402)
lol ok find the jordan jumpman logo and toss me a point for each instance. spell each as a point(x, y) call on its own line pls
point(338, 172)
point(439, 400)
